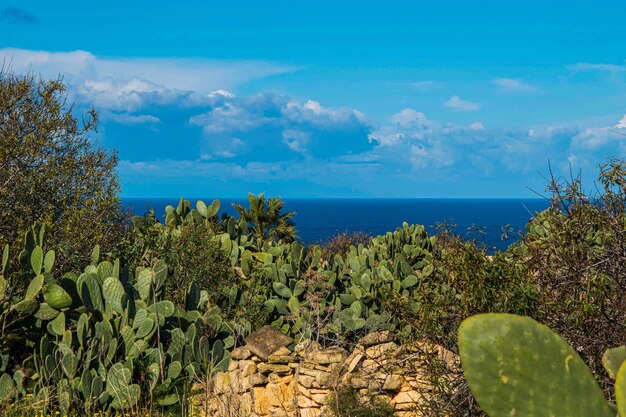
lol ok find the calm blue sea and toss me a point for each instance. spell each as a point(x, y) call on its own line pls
point(319, 219)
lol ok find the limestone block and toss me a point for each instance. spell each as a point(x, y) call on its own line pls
point(240, 353)
point(266, 340)
point(386, 349)
point(257, 380)
point(376, 338)
point(326, 356)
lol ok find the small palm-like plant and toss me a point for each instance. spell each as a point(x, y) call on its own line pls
point(266, 219)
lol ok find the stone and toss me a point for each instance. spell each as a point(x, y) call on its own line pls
point(310, 412)
point(393, 382)
point(263, 368)
point(307, 381)
point(261, 398)
point(326, 356)
point(412, 398)
point(257, 380)
point(247, 368)
point(377, 351)
point(275, 378)
point(376, 338)
point(324, 379)
point(320, 398)
point(354, 361)
point(307, 346)
point(278, 368)
point(266, 340)
point(304, 402)
point(240, 353)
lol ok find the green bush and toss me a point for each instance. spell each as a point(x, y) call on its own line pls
point(53, 173)
point(105, 339)
point(576, 256)
point(347, 402)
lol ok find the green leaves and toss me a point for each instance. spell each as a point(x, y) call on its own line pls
point(36, 259)
point(114, 294)
point(516, 366)
point(613, 360)
point(281, 289)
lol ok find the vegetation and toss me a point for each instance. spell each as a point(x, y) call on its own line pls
point(347, 402)
point(109, 314)
point(53, 173)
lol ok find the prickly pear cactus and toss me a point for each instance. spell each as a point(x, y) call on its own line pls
point(518, 367)
point(620, 390)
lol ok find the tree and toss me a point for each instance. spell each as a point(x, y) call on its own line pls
point(265, 219)
point(52, 172)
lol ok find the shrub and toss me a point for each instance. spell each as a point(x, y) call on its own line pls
point(347, 402)
point(340, 244)
point(51, 172)
point(576, 252)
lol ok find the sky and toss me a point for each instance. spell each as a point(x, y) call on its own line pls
point(336, 98)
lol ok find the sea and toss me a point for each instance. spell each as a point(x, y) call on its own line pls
point(318, 220)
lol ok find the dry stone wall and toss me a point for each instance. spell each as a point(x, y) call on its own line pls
point(266, 378)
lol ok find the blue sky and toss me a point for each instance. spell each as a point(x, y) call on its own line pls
point(336, 99)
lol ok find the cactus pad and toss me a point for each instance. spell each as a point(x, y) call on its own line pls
point(518, 367)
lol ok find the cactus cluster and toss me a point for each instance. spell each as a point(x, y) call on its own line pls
point(516, 366)
point(105, 339)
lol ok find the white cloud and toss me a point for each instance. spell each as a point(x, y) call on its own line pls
point(130, 83)
point(458, 104)
point(130, 119)
point(585, 66)
point(276, 121)
point(476, 126)
point(514, 85)
point(622, 123)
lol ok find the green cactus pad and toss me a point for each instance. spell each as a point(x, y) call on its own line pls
point(7, 387)
point(164, 308)
point(36, 259)
point(114, 294)
point(26, 307)
point(57, 326)
point(48, 261)
point(34, 287)
point(518, 367)
point(620, 390)
point(613, 359)
point(57, 297)
point(46, 312)
point(144, 283)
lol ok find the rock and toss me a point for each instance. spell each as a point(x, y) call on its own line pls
point(279, 369)
point(257, 380)
point(266, 340)
point(307, 346)
point(263, 368)
point(247, 368)
point(326, 356)
point(377, 351)
point(354, 361)
point(240, 353)
point(406, 399)
point(276, 379)
point(307, 381)
point(376, 338)
point(282, 355)
point(393, 382)
point(310, 412)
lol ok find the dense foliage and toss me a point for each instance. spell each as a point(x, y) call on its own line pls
point(53, 173)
